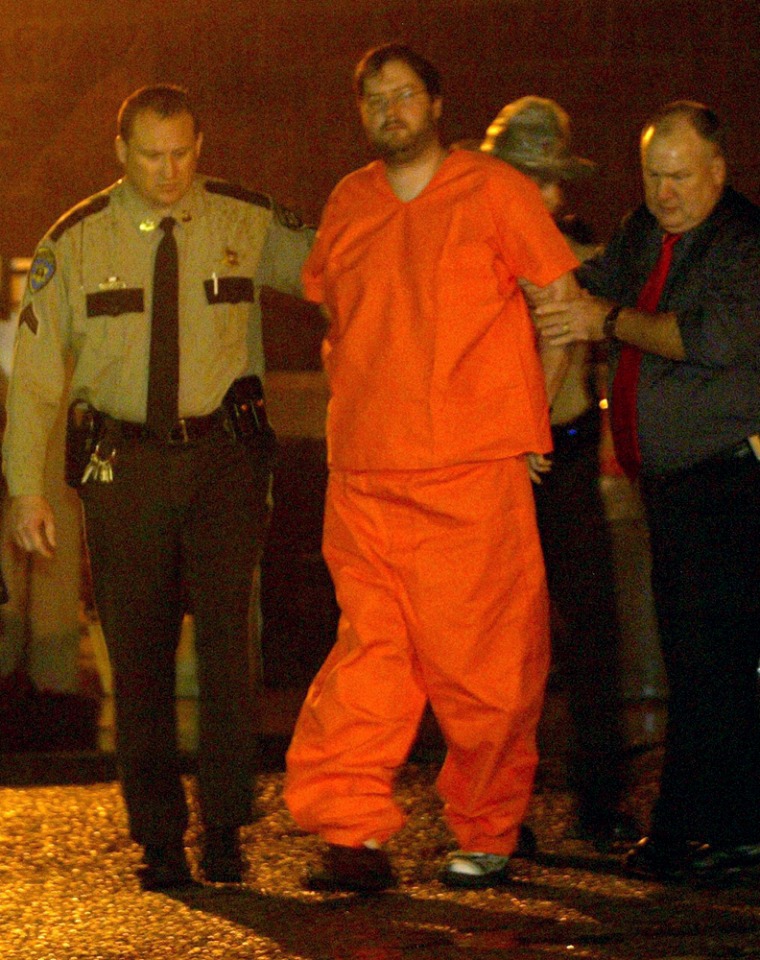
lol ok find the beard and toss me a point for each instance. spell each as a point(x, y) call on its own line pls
point(396, 144)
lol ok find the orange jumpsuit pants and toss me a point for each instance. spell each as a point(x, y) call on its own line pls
point(440, 580)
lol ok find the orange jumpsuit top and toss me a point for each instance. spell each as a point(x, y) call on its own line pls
point(431, 352)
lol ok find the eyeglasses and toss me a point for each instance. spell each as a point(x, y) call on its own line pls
point(377, 103)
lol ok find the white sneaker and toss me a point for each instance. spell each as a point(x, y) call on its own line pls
point(474, 870)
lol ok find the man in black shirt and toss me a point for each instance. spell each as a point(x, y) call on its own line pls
point(685, 342)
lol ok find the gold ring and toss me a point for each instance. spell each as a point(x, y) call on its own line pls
point(566, 328)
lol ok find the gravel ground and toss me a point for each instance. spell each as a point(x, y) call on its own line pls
point(68, 891)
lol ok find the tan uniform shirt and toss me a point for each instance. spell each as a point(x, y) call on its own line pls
point(90, 290)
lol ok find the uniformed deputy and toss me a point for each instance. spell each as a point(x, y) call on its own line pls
point(175, 513)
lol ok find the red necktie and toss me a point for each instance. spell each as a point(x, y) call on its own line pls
point(623, 411)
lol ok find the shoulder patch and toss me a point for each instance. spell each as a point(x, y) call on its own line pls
point(234, 190)
point(28, 318)
point(42, 269)
point(79, 213)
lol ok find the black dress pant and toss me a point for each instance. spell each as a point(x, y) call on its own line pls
point(585, 637)
point(180, 527)
point(705, 533)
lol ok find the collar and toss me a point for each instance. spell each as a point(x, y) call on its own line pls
point(146, 218)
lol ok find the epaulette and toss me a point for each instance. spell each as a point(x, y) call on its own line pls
point(288, 218)
point(234, 190)
point(79, 213)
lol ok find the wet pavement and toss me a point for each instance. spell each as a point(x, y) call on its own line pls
point(68, 890)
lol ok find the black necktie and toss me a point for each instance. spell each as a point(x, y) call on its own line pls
point(163, 377)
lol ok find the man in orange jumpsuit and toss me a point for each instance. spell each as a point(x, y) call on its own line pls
point(437, 395)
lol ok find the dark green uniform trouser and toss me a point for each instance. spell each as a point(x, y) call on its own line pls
point(180, 527)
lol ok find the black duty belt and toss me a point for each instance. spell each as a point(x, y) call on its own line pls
point(740, 451)
point(185, 430)
point(745, 451)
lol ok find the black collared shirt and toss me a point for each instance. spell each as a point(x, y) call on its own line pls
point(692, 409)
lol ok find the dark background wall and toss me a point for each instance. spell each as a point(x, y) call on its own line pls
point(272, 78)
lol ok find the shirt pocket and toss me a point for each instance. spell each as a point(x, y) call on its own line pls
point(114, 303)
point(109, 319)
point(230, 300)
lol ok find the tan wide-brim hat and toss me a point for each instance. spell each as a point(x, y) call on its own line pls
point(533, 135)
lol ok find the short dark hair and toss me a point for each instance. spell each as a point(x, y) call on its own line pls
point(375, 59)
point(165, 99)
point(701, 117)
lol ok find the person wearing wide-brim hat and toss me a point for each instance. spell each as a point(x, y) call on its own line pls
point(532, 134)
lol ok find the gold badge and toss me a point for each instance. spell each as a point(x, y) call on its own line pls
point(148, 226)
point(112, 283)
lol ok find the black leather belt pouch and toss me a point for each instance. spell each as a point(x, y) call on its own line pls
point(247, 415)
point(84, 429)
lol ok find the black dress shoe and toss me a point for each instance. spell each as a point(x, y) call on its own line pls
point(165, 868)
point(353, 869)
point(654, 858)
point(714, 860)
point(222, 860)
